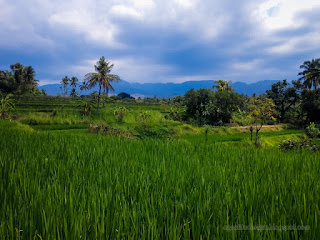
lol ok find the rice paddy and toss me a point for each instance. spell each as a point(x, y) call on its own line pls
point(69, 186)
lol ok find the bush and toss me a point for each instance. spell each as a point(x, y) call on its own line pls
point(120, 113)
point(144, 118)
point(294, 145)
point(175, 114)
point(312, 131)
point(156, 132)
point(108, 130)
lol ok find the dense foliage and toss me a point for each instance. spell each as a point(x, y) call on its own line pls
point(293, 144)
point(312, 131)
point(285, 97)
point(20, 80)
point(205, 106)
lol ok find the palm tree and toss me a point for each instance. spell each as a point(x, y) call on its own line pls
point(101, 77)
point(311, 73)
point(222, 85)
point(17, 72)
point(7, 104)
point(83, 86)
point(74, 81)
point(107, 84)
point(29, 74)
point(65, 81)
point(28, 82)
point(86, 106)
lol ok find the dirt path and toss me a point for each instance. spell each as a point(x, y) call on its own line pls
point(265, 128)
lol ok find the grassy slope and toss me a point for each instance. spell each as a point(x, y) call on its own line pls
point(38, 113)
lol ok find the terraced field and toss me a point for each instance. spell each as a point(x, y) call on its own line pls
point(60, 182)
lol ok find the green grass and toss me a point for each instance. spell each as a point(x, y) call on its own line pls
point(57, 185)
point(275, 136)
point(59, 127)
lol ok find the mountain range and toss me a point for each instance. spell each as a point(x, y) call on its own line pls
point(167, 90)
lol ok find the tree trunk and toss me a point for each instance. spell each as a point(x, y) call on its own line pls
point(99, 98)
point(104, 96)
point(257, 134)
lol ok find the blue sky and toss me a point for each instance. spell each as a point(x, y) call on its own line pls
point(161, 40)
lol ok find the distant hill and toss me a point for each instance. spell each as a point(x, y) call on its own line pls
point(168, 90)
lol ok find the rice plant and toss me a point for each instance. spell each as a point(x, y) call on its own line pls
point(60, 186)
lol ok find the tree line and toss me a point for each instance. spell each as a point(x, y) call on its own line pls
point(296, 102)
point(19, 80)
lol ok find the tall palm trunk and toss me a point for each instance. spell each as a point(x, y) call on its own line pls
point(104, 96)
point(99, 97)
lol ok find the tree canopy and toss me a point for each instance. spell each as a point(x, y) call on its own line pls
point(20, 80)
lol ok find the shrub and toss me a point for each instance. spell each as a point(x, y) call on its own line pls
point(312, 131)
point(294, 145)
point(108, 130)
point(176, 114)
point(156, 132)
point(144, 118)
point(120, 113)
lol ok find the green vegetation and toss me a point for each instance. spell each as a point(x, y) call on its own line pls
point(20, 80)
point(312, 131)
point(111, 188)
point(102, 78)
point(181, 168)
point(6, 105)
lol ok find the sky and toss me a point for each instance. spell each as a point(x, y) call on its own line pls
point(161, 40)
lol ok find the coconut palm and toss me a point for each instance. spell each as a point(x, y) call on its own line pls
point(83, 86)
point(86, 107)
point(74, 93)
point(74, 81)
point(107, 84)
point(28, 79)
point(101, 77)
point(29, 74)
point(222, 85)
point(65, 81)
point(311, 73)
point(17, 72)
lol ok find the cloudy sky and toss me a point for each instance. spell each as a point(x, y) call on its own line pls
point(161, 40)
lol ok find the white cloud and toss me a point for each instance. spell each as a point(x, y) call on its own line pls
point(247, 66)
point(129, 69)
point(87, 24)
point(47, 81)
point(254, 31)
point(181, 79)
point(297, 44)
point(185, 3)
point(126, 12)
point(16, 29)
point(284, 13)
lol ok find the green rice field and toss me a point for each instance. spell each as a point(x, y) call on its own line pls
point(59, 185)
